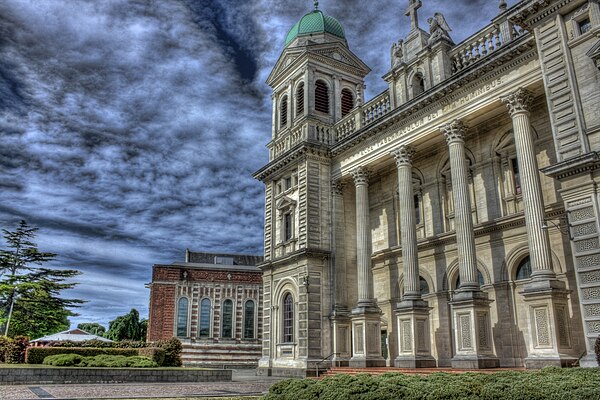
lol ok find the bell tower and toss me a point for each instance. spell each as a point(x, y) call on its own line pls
point(317, 82)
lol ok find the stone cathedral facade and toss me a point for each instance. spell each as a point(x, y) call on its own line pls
point(452, 220)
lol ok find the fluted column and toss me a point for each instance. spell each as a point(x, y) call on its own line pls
point(465, 239)
point(518, 104)
point(363, 238)
point(337, 189)
point(408, 234)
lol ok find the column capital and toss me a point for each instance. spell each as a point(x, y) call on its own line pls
point(518, 101)
point(361, 176)
point(403, 155)
point(337, 186)
point(454, 131)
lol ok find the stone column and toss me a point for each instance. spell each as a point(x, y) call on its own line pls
point(518, 104)
point(363, 238)
point(470, 306)
point(412, 313)
point(366, 323)
point(548, 342)
point(463, 222)
point(336, 99)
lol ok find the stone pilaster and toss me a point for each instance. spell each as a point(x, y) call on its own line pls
point(366, 324)
point(546, 296)
point(470, 306)
point(412, 313)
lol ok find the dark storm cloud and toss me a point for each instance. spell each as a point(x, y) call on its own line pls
point(130, 128)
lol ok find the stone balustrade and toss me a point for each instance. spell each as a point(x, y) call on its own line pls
point(287, 140)
point(376, 108)
point(346, 126)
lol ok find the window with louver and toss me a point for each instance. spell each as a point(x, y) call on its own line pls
point(284, 112)
point(300, 99)
point(347, 101)
point(321, 97)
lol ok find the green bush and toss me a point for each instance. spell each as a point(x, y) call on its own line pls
point(597, 350)
point(549, 383)
point(36, 355)
point(154, 353)
point(63, 360)
point(12, 350)
point(99, 361)
point(172, 348)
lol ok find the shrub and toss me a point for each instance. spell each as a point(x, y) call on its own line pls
point(549, 383)
point(12, 350)
point(597, 350)
point(36, 355)
point(99, 361)
point(154, 353)
point(63, 360)
point(172, 348)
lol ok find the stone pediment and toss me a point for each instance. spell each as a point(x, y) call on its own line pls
point(285, 202)
point(594, 54)
point(333, 54)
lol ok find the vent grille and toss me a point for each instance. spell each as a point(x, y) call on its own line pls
point(347, 102)
point(321, 97)
point(284, 112)
point(300, 99)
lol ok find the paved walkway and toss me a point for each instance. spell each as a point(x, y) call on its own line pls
point(244, 382)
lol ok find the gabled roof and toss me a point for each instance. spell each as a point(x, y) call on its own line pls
point(73, 335)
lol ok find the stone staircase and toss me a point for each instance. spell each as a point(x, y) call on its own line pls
point(409, 371)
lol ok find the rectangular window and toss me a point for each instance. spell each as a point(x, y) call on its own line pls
point(288, 183)
point(584, 26)
point(417, 210)
point(287, 226)
point(516, 175)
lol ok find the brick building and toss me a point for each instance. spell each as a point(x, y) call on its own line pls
point(213, 304)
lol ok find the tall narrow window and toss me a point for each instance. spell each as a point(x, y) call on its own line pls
point(182, 317)
point(300, 99)
point(204, 325)
point(524, 269)
point(417, 210)
point(249, 320)
point(347, 101)
point(227, 318)
point(288, 318)
point(284, 112)
point(516, 175)
point(423, 286)
point(321, 97)
point(287, 226)
point(418, 85)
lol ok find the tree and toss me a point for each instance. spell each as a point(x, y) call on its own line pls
point(92, 327)
point(30, 302)
point(127, 327)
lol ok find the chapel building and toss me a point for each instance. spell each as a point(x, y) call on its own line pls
point(213, 304)
point(452, 220)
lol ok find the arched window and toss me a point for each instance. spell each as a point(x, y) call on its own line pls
point(300, 99)
point(227, 318)
point(288, 318)
point(524, 269)
point(321, 97)
point(424, 287)
point(418, 84)
point(479, 277)
point(283, 115)
point(249, 320)
point(205, 317)
point(182, 317)
point(347, 101)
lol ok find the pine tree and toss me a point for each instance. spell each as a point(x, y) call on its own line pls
point(30, 302)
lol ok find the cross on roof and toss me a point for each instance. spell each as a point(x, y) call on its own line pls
point(413, 6)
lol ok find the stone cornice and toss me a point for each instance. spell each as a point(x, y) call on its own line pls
point(573, 166)
point(302, 149)
point(532, 12)
point(495, 63)
point(295, 256)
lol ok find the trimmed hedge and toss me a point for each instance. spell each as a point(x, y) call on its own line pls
point(12, 350)
point(549, 383)
point(36, 355)
point(597, 350)
point(99, 361)
point(173, 349)
point(154, 353)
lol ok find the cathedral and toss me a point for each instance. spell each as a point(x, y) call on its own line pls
point(450, 221)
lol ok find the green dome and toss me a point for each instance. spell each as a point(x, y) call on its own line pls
point(315, 22)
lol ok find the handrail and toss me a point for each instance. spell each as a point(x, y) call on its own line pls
point(325, 359)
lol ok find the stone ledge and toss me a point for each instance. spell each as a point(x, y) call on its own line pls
point(57, 375)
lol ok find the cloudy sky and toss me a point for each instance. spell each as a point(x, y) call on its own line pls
point(130, 129)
